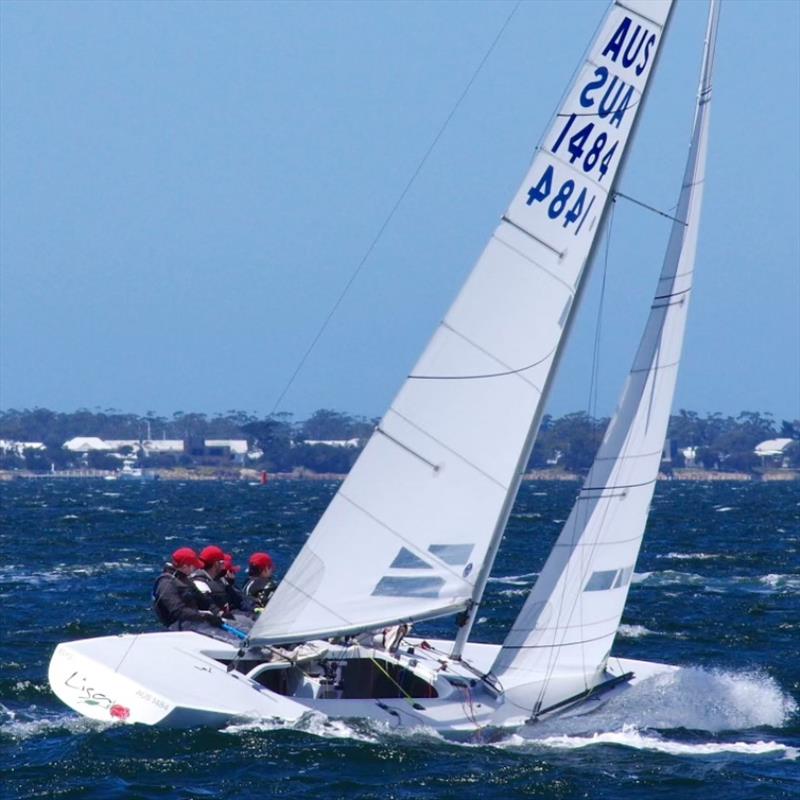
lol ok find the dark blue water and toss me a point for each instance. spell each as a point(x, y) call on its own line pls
point(717, 590)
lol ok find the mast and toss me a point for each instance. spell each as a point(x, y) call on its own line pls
point(470, 615)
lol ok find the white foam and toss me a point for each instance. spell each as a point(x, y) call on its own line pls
point(314, 723)
point(630, 736)
point(781, 582)
point(692, 556)
point(669, 577)
point(17, 729)
point(693, 698)
point(515, 580)
point(634, 631)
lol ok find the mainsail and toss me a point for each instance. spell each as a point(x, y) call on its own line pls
point(412, 531)
point(565, 630)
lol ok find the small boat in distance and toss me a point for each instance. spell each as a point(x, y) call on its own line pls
point(413, 530)
point(130, 472)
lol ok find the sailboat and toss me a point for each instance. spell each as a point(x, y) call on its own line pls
point(413, 530)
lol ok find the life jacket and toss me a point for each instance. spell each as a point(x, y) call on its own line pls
point(212, 593)
point(161, 613)
point(184, 588)
point(260, 589)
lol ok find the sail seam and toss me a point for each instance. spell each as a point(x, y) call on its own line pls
point(671, 294)
point(450, 450)
point(597, 113)
point(560, 644)
point(625, 457)
point(573, 545)
point(611, 488)
point(655, 367)
point(579, 172)
point(639, 14)
point(509, 369)
point(535, 238)
point(562, 627)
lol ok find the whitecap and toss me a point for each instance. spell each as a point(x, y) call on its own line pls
point(514, 592)
point(692, 556)
point(634, 631)
point(668, 577)
point(781, 582)
point(514, 580)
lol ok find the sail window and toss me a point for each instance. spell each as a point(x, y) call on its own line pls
point(601, 580)
point(390, 586)
point(405, 559)
point(624, 577)
point(455, 554)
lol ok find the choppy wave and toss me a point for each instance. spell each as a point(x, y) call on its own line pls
point(12, 574)
point(777, 582)
point(782, 582)
point(692, 556)
point(526, 579)
point(514, 592)
point(635, 631)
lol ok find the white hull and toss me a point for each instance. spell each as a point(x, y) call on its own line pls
point(181, 680)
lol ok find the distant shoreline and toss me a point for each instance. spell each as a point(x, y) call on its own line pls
point(254, 476)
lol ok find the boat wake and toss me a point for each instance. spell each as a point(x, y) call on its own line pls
point(670, 713)
point(630, 736)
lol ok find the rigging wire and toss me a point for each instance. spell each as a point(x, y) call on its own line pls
point(392, 211)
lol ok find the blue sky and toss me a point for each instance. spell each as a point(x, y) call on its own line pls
point(185, 188)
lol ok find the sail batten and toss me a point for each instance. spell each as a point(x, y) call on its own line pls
point(441, 473)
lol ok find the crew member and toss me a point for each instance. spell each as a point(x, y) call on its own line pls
point(236, 598)
point(207, 578)
point(178, 605)
point(260, 585)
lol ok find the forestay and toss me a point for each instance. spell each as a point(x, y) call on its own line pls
point(566, 628)
point(411, 532)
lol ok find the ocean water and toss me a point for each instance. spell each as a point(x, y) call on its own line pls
point(717, 591)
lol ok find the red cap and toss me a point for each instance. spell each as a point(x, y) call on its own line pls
point(186, 557)
point(210, 554)
point(229, 565)
point(261, 561)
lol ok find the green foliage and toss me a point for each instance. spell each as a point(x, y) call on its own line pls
point(569, 442)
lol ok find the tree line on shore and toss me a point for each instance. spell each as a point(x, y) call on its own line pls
point(568, 442)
